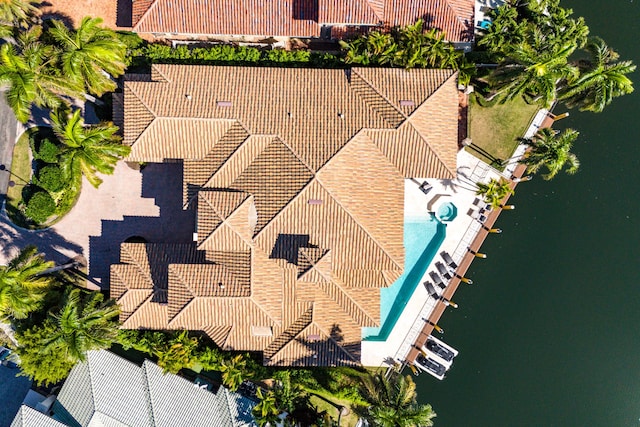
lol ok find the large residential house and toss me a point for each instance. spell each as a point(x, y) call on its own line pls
point(297, 18)
point(107, 390)
point(296, 179)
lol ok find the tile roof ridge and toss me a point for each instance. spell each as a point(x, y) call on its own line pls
point(157, 68)
point(224, 223)
point(368, 82)
point(336, 343)
point(147, 390)
point(353, 301)
point(401, 267)
point(137, 265)
point(91, 387)
point(127, 85)
point(300, 191)
point(409, 123)
point(144, 15)
point(172, 269)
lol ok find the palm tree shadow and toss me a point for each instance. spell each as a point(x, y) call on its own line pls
point(55, 247)
point(330, 351)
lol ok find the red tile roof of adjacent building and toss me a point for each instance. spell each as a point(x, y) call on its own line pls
point(297, 18)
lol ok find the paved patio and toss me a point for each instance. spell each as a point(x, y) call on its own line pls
point(130, 202)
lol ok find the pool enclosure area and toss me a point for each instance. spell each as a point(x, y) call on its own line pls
point(439, 217)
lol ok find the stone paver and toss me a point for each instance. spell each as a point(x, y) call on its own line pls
point(130, 202)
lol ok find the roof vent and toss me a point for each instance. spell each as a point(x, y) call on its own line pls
point(188, 97)
point(315, 201)
point(407, 103)
point(224, 103)
point(290, 114)
point(314, 337)
point(341, 116)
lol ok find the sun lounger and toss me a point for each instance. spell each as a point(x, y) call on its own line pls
point(443, 270)
point(425, 187)
point(431, 290)
point(447, 259)
point(437, 279)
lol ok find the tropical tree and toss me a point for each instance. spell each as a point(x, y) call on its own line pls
point(90, 55)
point(17, 12)
point(177, 353)
point(41, 365)
point(494, 191)
point(233, 371)
point(504, 32)
point(27, 69)
point(601, 78)
point(23, 286)
point(86, 150)
point(85, 322)
point(533, 70)
point(552, 151)
point(266, 411)
point(391, 402)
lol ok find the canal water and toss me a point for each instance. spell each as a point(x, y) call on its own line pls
point(549, 334)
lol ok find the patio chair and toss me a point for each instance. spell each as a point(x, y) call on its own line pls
point(425, 187)
point(437, 279)
point(447, 258)
point(431, 290)
point(443, 270)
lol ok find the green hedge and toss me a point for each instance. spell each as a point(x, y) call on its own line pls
point(51, 178)
point(40, 207)
point(45, 150)
point(157, 53)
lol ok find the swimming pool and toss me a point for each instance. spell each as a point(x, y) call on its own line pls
point(422, 239)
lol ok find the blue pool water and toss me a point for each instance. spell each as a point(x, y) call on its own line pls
point(421, 242)
point(447, 211)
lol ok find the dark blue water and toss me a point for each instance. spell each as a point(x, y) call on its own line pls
point(550, 333)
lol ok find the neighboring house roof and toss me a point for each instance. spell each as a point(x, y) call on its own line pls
point(298, 18)
point(109, 390)
point(29, 417)
point(297, 176)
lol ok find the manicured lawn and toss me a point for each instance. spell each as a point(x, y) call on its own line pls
point(496, 130)
point(348, 420)
point(20, 167)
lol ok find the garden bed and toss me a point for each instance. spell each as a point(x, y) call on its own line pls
point(48, 195)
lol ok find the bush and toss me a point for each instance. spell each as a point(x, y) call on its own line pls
point(230, 55)
point(46, 150)
point(51, 178)
point(40, 207)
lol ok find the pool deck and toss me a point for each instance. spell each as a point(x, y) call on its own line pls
point(464, 237)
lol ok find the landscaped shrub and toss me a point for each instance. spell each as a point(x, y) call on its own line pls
point(230, 55)
point(51, 178)
point(45, 150)
point(40, 207)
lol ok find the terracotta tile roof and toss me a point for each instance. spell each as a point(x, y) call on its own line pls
point(299, 209)
point(297, 18)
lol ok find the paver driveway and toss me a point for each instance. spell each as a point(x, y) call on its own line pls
point(145, 203)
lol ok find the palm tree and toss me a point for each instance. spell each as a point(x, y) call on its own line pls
point(494, 191)
point(233, 372)
point(91, 55)
point(601, 79)
point(533, 70)
point(87, 150)
point(552, 151)
point(22, 285)
point(392, 402)
point(27, 69)
point(85, 322)
point(17, 12)
point(266, 411)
